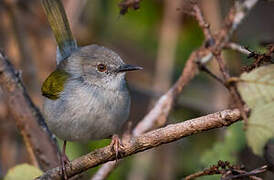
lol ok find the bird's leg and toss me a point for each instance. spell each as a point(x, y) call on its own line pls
point(64, 160)
point(116, 145)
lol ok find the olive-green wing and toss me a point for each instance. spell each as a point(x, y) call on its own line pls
point(54, 84)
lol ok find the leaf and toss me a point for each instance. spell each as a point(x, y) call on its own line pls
point(23, 172)
point(257, 90)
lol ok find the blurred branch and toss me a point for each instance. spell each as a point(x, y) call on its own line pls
point(234, 18)
point(74, 11)
point(147, 141)
point(212, 10)
point(205, 26)
point(251, 174)
point(168, 38)
point(105, 170)
point(171, 26)
point(40, 144)
point(238, 48)
point(22, 42)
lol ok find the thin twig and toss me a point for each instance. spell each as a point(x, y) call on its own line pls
point(247, 174)
point(228, 171)
point(238, 48)
point(204, 25)
point(221, 63)
point(234, 18)
point(202, 67)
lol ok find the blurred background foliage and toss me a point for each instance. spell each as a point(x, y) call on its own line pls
point(137, 36)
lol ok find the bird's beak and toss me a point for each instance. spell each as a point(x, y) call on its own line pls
point(128, 67)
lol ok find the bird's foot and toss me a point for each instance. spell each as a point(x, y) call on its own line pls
point(65, 161)
point(117, 146)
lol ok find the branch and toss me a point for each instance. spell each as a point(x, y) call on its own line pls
point(22, 41)
point(234, 18)
point(238, 48)
point(250, 174)
point(147, 141)
point(204, 25)
point(232, 22)
point(40, 144)
point(228, 171)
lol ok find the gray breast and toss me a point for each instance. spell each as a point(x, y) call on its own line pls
point(86, 113)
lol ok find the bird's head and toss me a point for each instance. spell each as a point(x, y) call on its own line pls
point(97, 65)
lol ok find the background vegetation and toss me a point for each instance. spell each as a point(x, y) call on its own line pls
point(138, 37)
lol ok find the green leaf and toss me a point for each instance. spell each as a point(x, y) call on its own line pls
point(23, 172)
point(257, 90)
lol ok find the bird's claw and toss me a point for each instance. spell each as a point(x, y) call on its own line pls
point(65, 161)
point(117, 146)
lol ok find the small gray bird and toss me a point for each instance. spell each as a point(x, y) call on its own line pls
point(86, 96)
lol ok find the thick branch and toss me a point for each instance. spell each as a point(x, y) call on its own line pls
point(146, 141)
point(41, 146)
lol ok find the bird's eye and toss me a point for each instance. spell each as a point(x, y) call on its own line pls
point(101, 67)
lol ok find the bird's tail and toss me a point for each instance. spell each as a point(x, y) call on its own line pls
point(59, 24)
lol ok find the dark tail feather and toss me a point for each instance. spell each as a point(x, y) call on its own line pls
point(59, 24)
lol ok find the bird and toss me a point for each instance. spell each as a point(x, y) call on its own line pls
point(86, 96)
